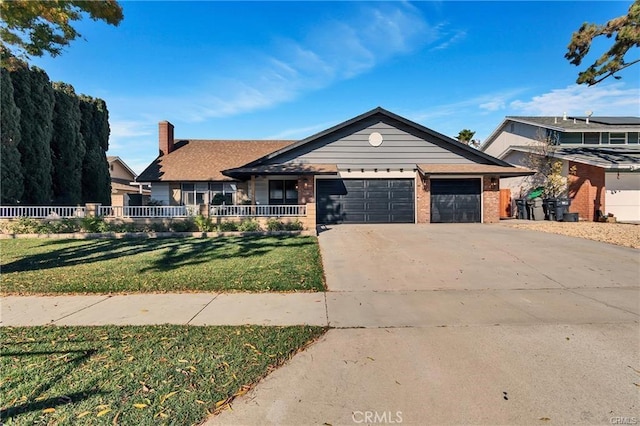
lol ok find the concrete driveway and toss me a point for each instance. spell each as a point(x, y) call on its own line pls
point(463, 324)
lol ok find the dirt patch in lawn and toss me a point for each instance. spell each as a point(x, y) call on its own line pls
point(621, 234)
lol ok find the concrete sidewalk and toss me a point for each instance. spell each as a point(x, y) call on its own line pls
point(343, 309)
point(172, 308)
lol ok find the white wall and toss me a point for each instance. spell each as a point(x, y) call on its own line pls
point(160, 192)
point(622, 195)
point(521, 135)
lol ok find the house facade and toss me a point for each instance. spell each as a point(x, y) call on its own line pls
point(375, 168)
point(122, 192)
point(600, 158)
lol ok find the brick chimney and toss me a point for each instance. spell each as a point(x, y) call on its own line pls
point(165, 137)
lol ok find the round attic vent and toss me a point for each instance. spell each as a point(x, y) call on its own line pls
point(375, 139)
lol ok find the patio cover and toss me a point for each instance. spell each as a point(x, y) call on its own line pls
point(282, 169)
point(473, 169)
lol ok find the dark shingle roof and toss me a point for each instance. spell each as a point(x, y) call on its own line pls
point(602, 124)
point(203, 160)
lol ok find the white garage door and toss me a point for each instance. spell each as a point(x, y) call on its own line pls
point(623, 195)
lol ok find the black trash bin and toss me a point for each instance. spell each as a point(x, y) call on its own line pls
point(521, 205)
point(549, 205)
point(529, 205)
point(561, 207)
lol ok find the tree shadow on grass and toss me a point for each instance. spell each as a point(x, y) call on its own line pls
point(80, 356)
point(177, 252)
point(194, 252)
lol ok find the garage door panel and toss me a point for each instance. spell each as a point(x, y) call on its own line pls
point(366, 201)
point(379, 194)
point(455, 200)
point(355, 183)
point(407, 184)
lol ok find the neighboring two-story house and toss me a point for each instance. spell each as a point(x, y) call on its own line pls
point(600, 157)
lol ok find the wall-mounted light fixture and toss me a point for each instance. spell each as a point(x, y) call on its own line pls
point(494, 182)
point(305, 183)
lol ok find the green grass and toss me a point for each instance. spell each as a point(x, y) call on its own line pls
point(138, 375)
point(272, 263)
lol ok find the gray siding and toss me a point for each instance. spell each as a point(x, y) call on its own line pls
point(401, 148)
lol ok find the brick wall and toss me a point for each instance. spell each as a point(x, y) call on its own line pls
point(423, 201)
point(490, 200)
point(305, 190)
point(586, 190)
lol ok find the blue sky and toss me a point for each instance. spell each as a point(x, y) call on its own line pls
point(286, 70)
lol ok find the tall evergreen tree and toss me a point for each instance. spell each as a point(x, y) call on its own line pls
point(67, 146)
point(96, 181)
point(33, 95)
point(12, 185)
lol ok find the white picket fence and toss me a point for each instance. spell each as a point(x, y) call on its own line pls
point(41, 212)
point(58, 212)
point(147, 211)
point(258, 210)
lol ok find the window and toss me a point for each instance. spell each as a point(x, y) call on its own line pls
point(617, 138)
point(207, 193)
point(571, 138)
point(592, 138)
point(222, 192)
point(632, 137)
point(283, 192)
point(553, 137)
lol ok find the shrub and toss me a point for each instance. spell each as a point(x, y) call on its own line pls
point(62, 226)
point(158, 227)
point(26, 225)
point(94, 224)
point(249, 225)
point(228, 226)
point(274, 225)
point(296, 225)
point(204, 224)
point(186, 225)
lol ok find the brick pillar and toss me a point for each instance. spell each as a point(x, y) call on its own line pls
point(423, 199)
point(92, 209)
point(305, 190)
point(203, 209)
point(586, 190)
point(310, 220)
point(490, 200)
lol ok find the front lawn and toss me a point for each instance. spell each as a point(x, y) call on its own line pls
point(137, 375)
point(270, 263)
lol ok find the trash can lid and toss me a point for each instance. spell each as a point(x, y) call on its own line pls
point(535, 193)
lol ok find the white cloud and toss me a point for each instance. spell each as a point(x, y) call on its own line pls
point(456, 37)
point(301, 132)
point(126, 130)
point(611, 99)
point(332, 51)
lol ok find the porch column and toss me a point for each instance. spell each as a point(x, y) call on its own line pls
point(491, 199)
point(306, 189)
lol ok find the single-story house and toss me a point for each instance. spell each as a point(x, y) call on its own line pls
point(123, 193)
point(375, 168)
point(600, 158)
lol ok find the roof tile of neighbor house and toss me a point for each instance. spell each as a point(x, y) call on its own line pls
point(204, 160)
point(472, 169)
point(606, 124)
point(608, 157)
